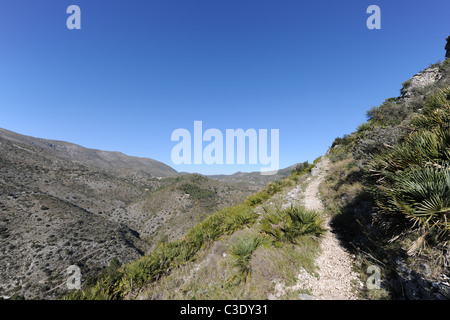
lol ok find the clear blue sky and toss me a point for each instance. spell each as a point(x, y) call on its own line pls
point(139, 69)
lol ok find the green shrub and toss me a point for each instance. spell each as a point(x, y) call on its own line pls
point(167, 255)
point(390, 113)
point(341, 148)
point(376, 141)
point(436, 112)
point(413, 179)
point(289, 224)
point(242, 252)
point(271, 189)
point(302, 168)
point(364, 127)
point(245, 216)
point(196, 192)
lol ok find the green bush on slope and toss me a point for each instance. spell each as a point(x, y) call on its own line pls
point(167, 255)
point(275, 228)
point(287, 225)
point(242, 252)
point(413, 178)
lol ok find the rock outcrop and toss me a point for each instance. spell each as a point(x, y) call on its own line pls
point(419, 81)
point(447, 48)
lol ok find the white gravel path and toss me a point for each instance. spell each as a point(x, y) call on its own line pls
point(334, 279)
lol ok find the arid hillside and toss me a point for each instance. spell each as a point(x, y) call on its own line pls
point(62, 204)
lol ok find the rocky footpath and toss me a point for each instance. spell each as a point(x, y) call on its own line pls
point(334, 278)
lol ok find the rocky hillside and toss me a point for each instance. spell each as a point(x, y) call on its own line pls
point(389, 189)
point(62, 204)
point(116, 161)
point(253, 250)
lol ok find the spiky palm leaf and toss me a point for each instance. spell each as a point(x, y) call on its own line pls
point(413, 178)
point(242, 252)
point(287, 225)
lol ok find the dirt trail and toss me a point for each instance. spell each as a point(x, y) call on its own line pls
point(335, 276)
point(334, 279)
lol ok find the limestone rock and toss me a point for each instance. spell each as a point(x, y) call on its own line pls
point(447, 48)
point(420, 80)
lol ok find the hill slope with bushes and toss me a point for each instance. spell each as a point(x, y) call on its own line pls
point(390, 188)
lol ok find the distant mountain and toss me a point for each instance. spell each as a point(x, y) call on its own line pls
point(93, 158)
point(255, 178)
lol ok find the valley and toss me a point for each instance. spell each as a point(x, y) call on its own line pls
point(62, 204)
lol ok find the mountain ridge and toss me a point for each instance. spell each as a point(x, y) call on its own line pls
point(94, 157)
point(119, 160)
